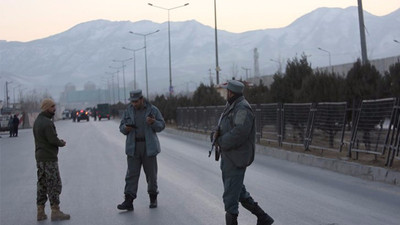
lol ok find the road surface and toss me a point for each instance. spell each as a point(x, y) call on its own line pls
point(93, 166)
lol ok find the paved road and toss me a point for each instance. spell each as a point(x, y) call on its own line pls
point(93, 166)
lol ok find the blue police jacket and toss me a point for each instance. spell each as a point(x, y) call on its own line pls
point(238, 133)
point(152, 142)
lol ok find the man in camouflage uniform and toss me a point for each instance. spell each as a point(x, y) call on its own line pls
point(236, 140)
point(46, 154)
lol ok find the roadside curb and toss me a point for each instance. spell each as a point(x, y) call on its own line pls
point(366, 172)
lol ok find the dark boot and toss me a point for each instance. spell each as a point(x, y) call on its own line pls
point(153, 201)
point(231, 219)
point(41, 215)
point(262, 217)
point(57, 214)
point(127, 204)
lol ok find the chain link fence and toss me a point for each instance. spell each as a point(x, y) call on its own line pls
point(327, 124)
point(373, 127)
point(268, 124)
point(393, 144)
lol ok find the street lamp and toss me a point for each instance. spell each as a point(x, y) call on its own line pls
point(145, 57)
point(217, 69)
point(112, 86)
point(134, 63)
point(329, 54)
point(107, 83)
point(169, 43)
point(7, 98)
point(123, 74)
point(116, 72)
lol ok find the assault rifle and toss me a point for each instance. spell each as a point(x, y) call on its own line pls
point(214, 140)
point(213, 145)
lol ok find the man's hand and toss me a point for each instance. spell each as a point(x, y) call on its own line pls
point(150, 120)
point(63, 143)
point(128, 128)
point(216, 134)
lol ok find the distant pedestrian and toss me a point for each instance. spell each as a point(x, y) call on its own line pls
point(11, 126)
point(15, 125)
point(140, 123)
point(94, 113)
point(236, 140)
point(46, 153)
point(73, 115)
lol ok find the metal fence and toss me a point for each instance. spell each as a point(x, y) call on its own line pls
point(327, 122)
point(373, 127)
point(268, 122)
point(393, 143)
point(294, 123)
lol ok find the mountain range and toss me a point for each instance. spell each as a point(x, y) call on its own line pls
point(85, 52)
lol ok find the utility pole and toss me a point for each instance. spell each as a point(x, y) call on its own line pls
point(362, 33)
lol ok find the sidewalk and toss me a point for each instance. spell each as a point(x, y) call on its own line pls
point(366, 172)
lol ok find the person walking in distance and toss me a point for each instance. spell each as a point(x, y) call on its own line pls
point(236, 140)
point(46, 153)
point(11, 126)
point(15, 125)
point(140, 124)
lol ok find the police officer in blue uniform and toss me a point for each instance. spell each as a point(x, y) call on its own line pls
point(140, 124)
point(236, 140)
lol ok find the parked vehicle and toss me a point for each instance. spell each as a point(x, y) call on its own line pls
point(4, 122)
point(103, 111)
point(66, 114)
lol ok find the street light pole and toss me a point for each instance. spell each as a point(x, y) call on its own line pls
point(117, 72)
point(171, 89)
point(362, 33)
point(216, 42)
point(134, 63)
point(7, 98)
point(145, 57)
point(112, 86)
point(107, 83)
point(123, 74)
point(329, 54)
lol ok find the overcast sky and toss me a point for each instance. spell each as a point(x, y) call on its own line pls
point(26, 20)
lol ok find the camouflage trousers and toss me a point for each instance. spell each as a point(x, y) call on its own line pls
point(49, 183)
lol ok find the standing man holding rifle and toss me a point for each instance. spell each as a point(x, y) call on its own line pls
point(235, 138)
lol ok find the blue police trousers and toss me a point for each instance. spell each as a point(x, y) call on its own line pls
point(135, 163)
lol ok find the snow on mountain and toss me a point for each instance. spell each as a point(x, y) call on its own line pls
point(85, 52)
